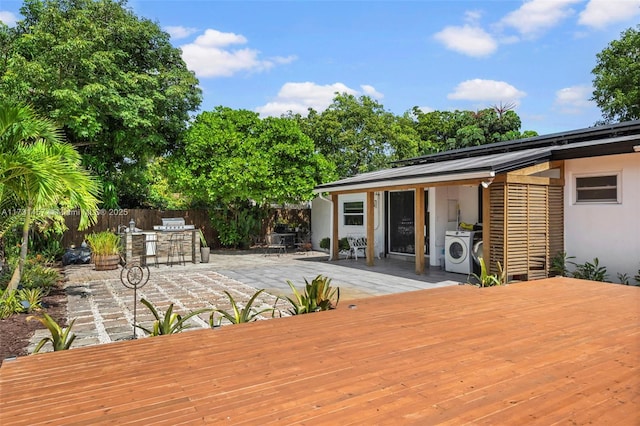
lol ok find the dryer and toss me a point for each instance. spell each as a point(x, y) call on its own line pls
point(457, 251)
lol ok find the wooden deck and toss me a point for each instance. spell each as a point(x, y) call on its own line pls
point(543, 352)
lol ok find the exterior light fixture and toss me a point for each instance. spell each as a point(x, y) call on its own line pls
point(486, 183)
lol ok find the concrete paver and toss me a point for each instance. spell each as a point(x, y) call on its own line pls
point(103, 308)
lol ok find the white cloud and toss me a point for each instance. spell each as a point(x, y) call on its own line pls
point(210, 56)
point(537, 16)
point(8, 18)
point(178, 32)
point(487, 91)
point(298, 97)
point(600, 13)
point(574, 99)
point(371, 91)
point(470, 40)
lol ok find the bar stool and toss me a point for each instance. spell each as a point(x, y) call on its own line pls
point(150, 249)
point(176, 249)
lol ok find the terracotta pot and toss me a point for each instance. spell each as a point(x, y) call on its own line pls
point(106, 262)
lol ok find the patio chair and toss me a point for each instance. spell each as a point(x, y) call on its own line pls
point(356, 243)
point(275, 242)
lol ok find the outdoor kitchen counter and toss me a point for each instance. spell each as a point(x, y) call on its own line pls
point(136, 247)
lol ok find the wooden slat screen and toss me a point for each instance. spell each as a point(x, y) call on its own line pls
point(556, 221)
point(526, 228)
point(496, 226)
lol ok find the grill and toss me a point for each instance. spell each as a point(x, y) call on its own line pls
point(172, 224)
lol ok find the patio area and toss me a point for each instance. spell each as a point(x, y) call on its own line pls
point(544, 352)
point(104, 308)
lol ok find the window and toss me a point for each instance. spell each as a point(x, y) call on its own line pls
point(598, 189)
point(353, 213)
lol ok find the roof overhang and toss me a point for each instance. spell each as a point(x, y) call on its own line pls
point(405, 181)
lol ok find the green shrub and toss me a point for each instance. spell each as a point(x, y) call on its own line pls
point(559, 264)
point(240, 314)
point(318, 295)
point(343, 244)
point(325, 243)
point(591, 271)
point(9, 304)
point(36, 275)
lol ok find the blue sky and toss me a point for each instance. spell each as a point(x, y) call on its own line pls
point(275, 56)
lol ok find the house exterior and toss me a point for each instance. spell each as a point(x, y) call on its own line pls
point(577, 192)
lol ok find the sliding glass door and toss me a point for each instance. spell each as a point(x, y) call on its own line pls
point(401, 222)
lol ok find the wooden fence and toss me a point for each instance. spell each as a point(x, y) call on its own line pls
point(112, 219)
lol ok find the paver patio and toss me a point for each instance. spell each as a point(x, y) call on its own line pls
point(104, 310)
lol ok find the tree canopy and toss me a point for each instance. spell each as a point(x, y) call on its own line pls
point(121, 93)
point(358, 135)
point(445, 130)
point(233, 160)
point(617, 78)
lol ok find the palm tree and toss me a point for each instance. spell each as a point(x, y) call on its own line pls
point(41, 171)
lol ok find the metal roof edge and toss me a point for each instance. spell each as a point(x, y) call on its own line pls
point(400, 181)
point(553, 139)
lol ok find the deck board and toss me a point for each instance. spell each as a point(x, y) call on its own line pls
point(550, 351)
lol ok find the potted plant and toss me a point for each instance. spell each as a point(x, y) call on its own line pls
point(105, 250)
point(205, 250)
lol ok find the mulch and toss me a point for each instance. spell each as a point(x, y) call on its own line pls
point(16, 331)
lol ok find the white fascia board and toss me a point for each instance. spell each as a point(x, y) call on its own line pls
point(419, 180)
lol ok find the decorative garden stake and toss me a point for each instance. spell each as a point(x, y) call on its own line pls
point(134, 276)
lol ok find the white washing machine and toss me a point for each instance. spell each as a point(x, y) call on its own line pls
point(457, 252)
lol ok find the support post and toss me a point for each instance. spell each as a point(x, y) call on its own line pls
point(370, 236)
point(419, 230)
point(335, 243)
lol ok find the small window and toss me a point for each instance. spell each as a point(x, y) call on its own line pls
point(598, 189)
point(353, 213)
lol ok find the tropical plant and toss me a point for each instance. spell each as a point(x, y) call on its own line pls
point(104, 243)
point(623, 278)
point(169, 322)
point(637, 277)
point(31, 298)
point(559, 264)
point(488, 280)
point(240, 314)
point(10, 304)
point(318, 295)
point(61, 338)
point(41, 172)
point(590, 271)
point(36, 275)
point(203, 240)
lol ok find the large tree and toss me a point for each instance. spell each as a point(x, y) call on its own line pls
point(120, 91)
point(358, 135)
point(40, 172)
point(445, 130)
point(617, 78)
point(236, 163)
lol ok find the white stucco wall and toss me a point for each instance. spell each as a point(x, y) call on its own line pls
point(321, 219)
point(608, 231)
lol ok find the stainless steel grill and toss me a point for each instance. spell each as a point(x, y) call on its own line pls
point(172, 224)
